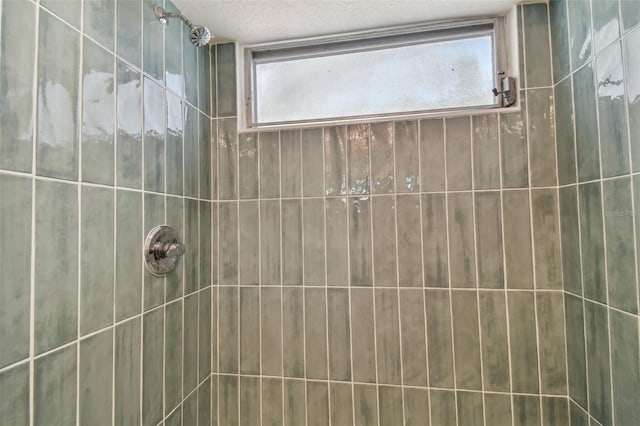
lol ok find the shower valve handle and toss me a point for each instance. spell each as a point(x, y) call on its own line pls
point(163, 250)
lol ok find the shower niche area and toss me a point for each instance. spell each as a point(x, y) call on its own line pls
point(446, 271)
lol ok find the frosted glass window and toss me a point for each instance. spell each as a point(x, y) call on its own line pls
point(395, 78)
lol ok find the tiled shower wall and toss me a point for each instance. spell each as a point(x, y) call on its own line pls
point(104, 133)
point(395, 273)
point(597, 89)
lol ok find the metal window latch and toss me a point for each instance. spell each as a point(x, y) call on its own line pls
point(508, 91)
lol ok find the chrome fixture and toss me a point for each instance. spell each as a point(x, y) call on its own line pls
point(508, 91)
point(162, 249)
point(199, 34)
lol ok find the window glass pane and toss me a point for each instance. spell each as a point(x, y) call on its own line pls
point(435, 75)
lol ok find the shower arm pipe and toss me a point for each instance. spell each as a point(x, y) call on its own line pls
point(161, 13)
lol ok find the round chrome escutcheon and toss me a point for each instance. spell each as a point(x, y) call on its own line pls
point(162, 249)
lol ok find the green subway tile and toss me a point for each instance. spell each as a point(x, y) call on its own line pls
point(190, 343)
point(443, 407)
point(226, 79)
point(174, 145)
point(391, 409)
point(360, 257)
point(15, 268)
point(129, 31)
point(291, 163)
point(598, 373)
point(579, 33)
point(228, 330)
point(204, 80)
point(293, 331)
point(338, 234)
point(559, 39)
point(340, 395)
point(317, 404)
point(292, 242)
point(249, 395)
point(618, 222)
point(551, 337)
point(271, 331)
point(228, 408)
point(612, 119)
point(489, 240)
point(190, 409)
point(523, 345)
point(412, 326)
point(335, 160)
point(384, 241)
point(173, 356)
point(517, 239)
point(513, 138)
point(229, 243)
point(497, 409)
point(388, 336)
point(315, 333)
point(630, 14)
point(495, 339)
point(57, 145)
point(439, 339)
point(227, 156)
point(56, 233)
point(127, 372)
point(154, 133)
point(190, 69)
point(14, 388)
point(175, 418)
point(128, 126)
point(409, 241)
point(546, 238)
point(577, 416)
point(624, 362)
point(632, 61)
point(416, 407)
point(249, 222)
point(466, 339)
point(314, 250)
point(153, 42)
point(486, 150)
point(521, 52)
point(363, 335)
point(636, 202)
point(565, 143)
point(407, 159)
point(606, 23)
point(205, 315)
point(128, 284)
point(555, 411)
point(434, 239)
point(365, 403)
point(542, 149)
point(526, 410)
point(584, 102)
point(152, 362)
point(249, 330)
point(95, 386)
point(16, 67)
point(96, 278)
point(382, 176)
point(358, 160)
point(458, 153)
point(536, 45)
point(54, 388)
point(68, 10)
point(270, 248)
point(462, 258)
point(576, 358)
point(269, 159)
point(204, 249)
point(215, 333)
point(215, 236)
point(470, 410)
point(153, 287)
point(248, 166)
point(592, 241)
point(191, 151)
point(312, 166)
point(294, 402)
point(432, 155)
point(339, 334)
point(271, 402)
point(173, 73)
point(569, 231)
point(96, 26)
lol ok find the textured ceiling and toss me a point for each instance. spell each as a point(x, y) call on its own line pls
point(257, 21)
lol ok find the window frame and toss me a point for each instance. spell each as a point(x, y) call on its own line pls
point(499, 28)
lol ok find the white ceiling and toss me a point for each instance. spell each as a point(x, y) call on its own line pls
point(258, 21)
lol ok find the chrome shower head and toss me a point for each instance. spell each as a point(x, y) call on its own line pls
point(199, 35)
